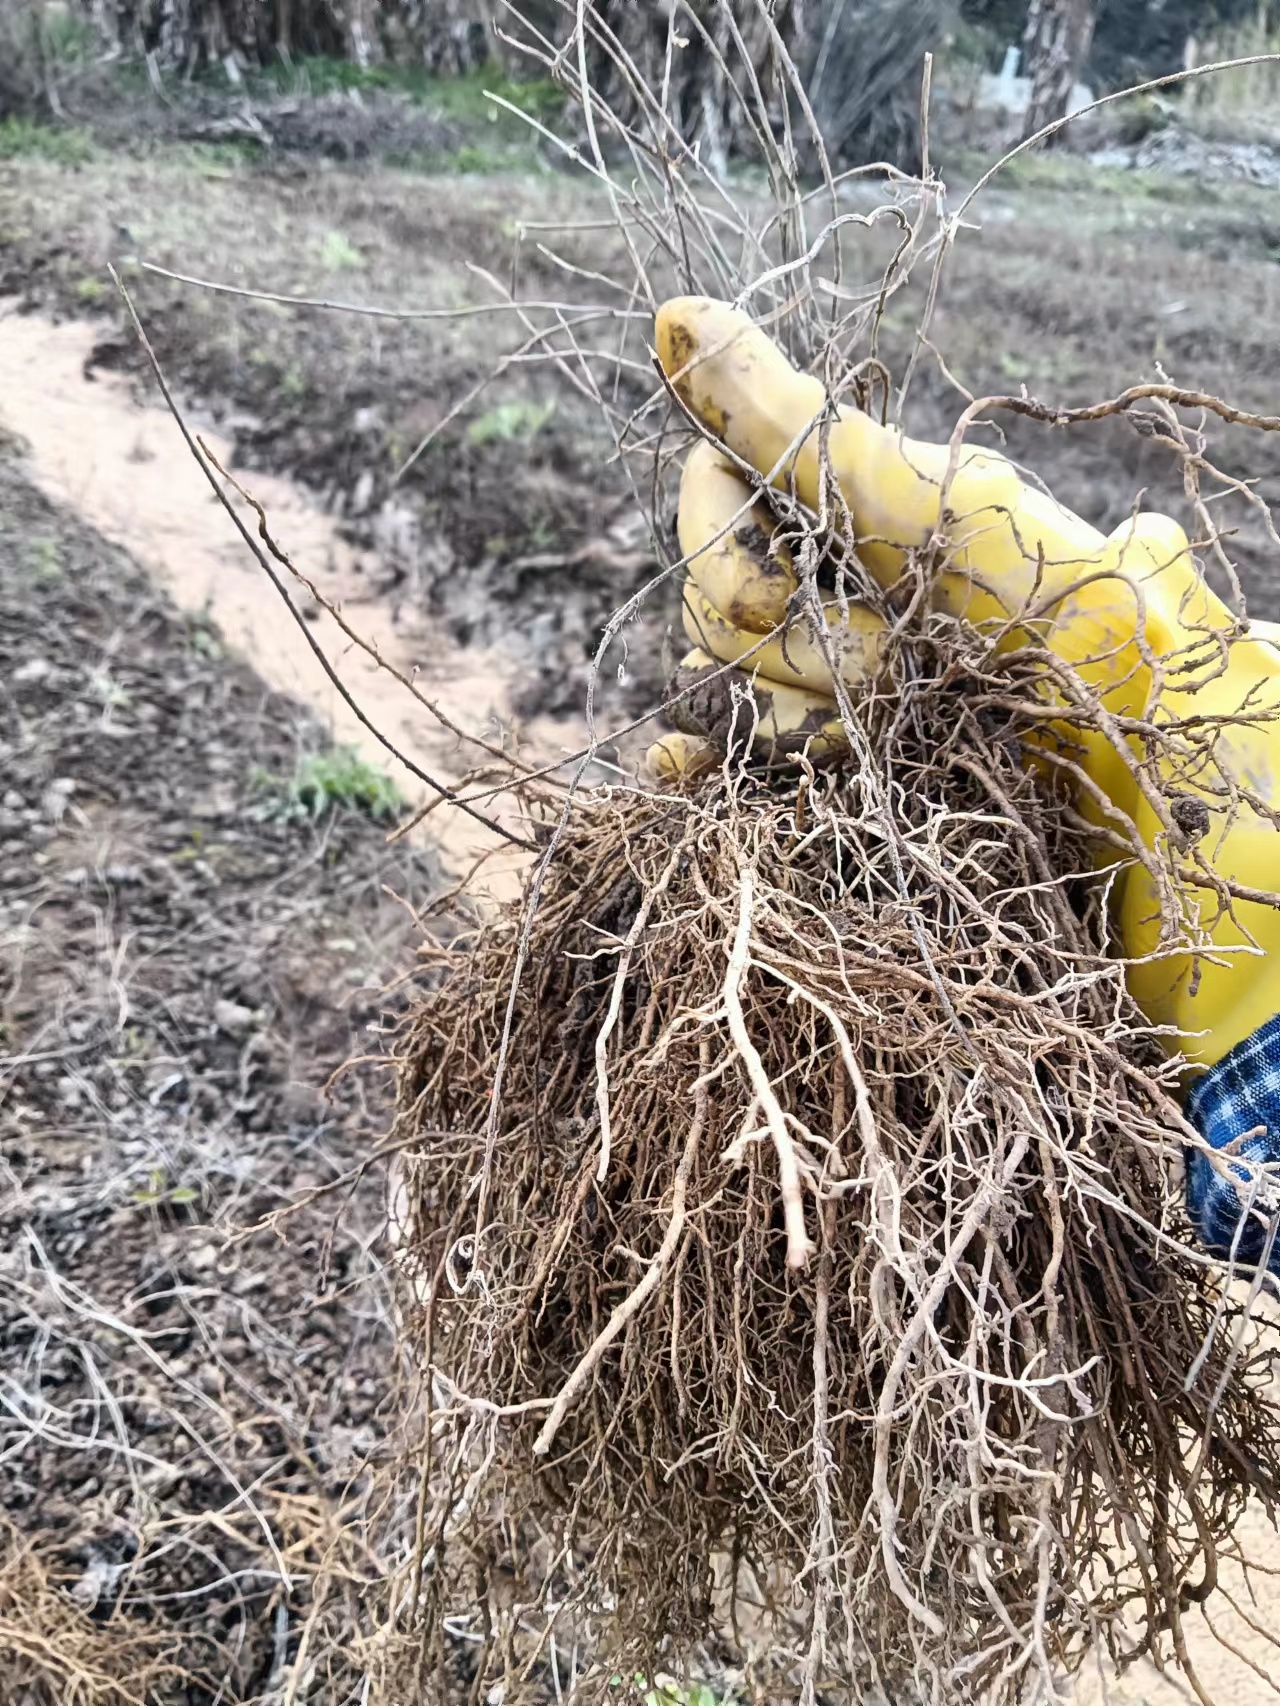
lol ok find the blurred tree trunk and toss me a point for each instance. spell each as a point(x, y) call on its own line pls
point(733, 76)
point(863, 65)
point(1054, 47)
point(720, 68)
point(714, 86)
point(446, 36)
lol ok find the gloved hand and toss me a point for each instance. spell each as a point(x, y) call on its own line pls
point(1019, 565)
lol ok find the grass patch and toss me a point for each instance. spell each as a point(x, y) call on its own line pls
point(518, 155)
point(46, 561)
point(220, 159)
point(667, 1692)
point(339, 254)
point(1069, 174)
point(489, 138)
point(518, 421)
point(339, 779)
point(1078, 177)
point(27, 139)
point(463, 98)
point(67, 40)
point(474, 158)
point(161, 1192)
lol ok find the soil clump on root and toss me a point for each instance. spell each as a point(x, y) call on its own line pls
point(799, 1252)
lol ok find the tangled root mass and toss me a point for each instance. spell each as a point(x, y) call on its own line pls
point(818, 1285)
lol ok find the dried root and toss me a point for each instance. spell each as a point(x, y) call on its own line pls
point(831, 1279)
point(54, 1653)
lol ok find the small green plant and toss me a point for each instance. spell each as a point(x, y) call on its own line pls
point(339, 254)
point(666, 1691)
point(222, 159)
point(195, 848)
point(202, 634)
point(23, 138)
point(465, 97)
point(110, 694)
point(160, 1193)
point(341, 778)
point(517, 420)
point(91, 290)
point(68, 40)
point(473, 159)
point(314, 74)
point(478, 94)
point(46, 564)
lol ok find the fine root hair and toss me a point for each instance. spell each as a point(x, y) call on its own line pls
point(824, 1274)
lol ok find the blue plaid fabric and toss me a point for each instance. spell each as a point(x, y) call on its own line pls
point(1235, 1209)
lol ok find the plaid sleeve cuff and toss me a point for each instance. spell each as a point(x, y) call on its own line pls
point(1235, 1205)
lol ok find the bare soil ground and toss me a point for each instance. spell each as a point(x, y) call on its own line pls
point(507, 509)
point(187, 1418)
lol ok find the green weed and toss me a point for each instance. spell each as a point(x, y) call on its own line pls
point(517, 421)
point(1011, 366)
point(46, 563)
point(160, 1193)
point(339, 254)
point(25, 138)
point(1069, 174)
point(68, 40)
point(221, 159)
point(91, 290)
point(457, 97)
point(197, 845)
point(474, 160)
point(470, 159)
point(109, 693)
point(478, 94)
point(667, 1692)
point(341, 779)
point(202, 636)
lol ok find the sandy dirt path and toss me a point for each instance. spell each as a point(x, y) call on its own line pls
point(125, 468)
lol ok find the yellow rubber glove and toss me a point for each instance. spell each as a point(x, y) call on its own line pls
point(740, 580)
point(1020, 563)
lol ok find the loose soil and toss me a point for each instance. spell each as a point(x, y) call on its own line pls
point(505, 527)
point(188, 1416)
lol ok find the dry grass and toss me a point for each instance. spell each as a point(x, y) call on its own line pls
point(198, 1386)
point(53, 1653)
point(1251, 91)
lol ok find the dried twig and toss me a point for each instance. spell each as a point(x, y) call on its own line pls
point(268, 569)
